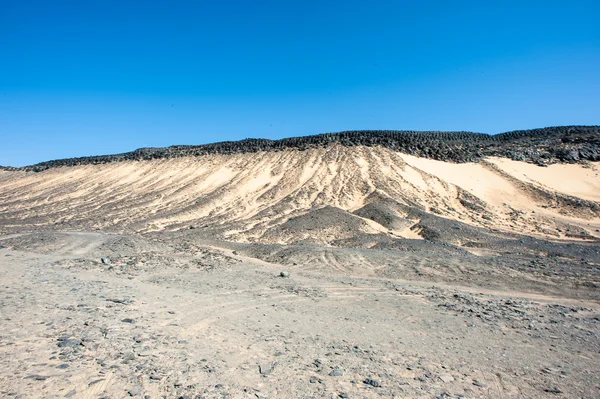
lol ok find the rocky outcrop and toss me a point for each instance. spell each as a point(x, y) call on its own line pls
point(566, 144)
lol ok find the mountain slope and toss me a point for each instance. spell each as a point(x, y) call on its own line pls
point(369, 194)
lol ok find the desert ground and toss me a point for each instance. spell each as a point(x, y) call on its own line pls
point(337, 272)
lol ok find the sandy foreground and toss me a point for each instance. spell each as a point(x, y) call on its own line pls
point(162, 318)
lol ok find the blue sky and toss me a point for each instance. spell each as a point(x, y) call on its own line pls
point(94, 77)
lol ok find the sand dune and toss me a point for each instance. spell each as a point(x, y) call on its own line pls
point(243, 197)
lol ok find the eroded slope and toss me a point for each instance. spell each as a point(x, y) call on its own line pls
point(268, 196)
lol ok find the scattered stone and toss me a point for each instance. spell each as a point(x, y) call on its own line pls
point(337, 373)
point(139, 339)
point(553, 390)
point(105, 261)
point(266, 368)
point(155, 377)
point(343, 395)
point(284, 274)
point(128, 320)
point(62, 366)
point(478, 383)
point(446, 378)
point(68, 342)
point(118, 300)
point(37, 377)
point(371, 382)
point(136, 390)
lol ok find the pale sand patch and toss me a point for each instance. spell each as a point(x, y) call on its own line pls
point(474, 178)
point(568, 179)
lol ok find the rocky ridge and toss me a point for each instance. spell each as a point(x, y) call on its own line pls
point(562, 144)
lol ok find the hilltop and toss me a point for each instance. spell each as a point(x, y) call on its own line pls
point(540, 146)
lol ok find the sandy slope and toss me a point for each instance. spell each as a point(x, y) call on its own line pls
point(244, 196)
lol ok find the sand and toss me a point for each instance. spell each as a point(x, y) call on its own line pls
point(243, 192)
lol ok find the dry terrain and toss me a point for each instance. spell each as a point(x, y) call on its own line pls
point(331, 272)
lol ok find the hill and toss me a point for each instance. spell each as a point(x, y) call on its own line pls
point(366, 193)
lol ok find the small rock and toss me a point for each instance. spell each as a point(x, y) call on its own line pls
point(446, 378)
point(136, 390)
point(124, 301)
point(155, 377)
point(478, 383)
point(371, 382)
point(70, 394)
point(128, 320)
point(337, 373)
point(553, 390)
point(343, 395)
point(62, 366)
point(68, 342)
point(284, 274)
point(266, 368)
point(105, 261)
point(38, 377)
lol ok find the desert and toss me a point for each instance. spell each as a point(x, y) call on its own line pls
point(350, 265)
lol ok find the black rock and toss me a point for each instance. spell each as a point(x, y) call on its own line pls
point(539, 146)
point(553, 390)
point(371, 382)
point(68, 342)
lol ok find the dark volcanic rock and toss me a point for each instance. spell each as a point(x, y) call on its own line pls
point(570, 144)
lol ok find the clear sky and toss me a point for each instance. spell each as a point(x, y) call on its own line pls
point(89, 77)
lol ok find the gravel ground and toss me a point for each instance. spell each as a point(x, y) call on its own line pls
point(89, 315)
